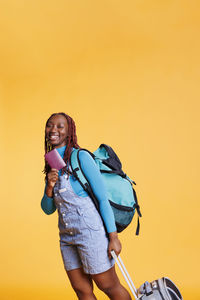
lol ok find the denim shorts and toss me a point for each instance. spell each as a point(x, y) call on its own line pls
point(83, 240)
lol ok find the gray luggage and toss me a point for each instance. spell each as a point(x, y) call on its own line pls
point(161, 289)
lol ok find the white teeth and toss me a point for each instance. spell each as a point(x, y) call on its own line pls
point(53, 137)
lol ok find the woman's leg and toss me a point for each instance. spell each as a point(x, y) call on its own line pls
point(109, 283)
point(82, 284)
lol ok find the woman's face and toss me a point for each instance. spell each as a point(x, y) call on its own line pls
point(56, 131)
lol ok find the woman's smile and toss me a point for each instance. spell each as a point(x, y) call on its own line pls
point(53, 137)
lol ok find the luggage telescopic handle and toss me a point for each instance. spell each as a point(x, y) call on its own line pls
point(125, 273)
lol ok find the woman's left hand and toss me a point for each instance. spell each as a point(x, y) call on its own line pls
point(114, 244)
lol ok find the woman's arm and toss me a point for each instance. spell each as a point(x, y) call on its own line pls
point(95, 180)
point(47, 204)
point(93, 175)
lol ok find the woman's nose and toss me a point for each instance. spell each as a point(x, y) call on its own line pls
point(53, 128)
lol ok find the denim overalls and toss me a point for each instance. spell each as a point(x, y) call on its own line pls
point(83, 240)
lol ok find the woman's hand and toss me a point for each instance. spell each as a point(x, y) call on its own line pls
point(114, 244)
point(52, 177)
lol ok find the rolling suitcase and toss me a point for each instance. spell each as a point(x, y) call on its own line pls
point(161, 289)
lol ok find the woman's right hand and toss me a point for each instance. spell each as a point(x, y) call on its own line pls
point(52, 177)
point(114, 244)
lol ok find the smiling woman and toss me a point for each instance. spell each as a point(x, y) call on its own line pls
point(85, 245)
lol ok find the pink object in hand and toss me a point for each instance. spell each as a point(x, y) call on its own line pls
point(55, 160)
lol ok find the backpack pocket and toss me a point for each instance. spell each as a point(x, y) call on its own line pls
point(123, 215)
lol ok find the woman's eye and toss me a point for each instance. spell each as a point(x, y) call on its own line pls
point(51, 125)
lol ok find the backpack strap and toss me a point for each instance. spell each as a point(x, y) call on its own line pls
point(137, 207)
point(76, 169)
point(117, 172)
point(79, 174)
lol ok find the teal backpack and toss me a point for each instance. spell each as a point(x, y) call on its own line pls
point(120, 191)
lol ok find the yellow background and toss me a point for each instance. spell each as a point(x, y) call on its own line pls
point(128, 73)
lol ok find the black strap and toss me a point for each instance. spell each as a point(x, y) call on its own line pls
point(138, 227)
point(118, 172)
point(136, 203)
point(74, 172)
point(137, 207)
point(121, 173)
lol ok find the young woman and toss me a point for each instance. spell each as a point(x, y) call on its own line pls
point(85, 246)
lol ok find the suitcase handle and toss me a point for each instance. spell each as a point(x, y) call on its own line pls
point(125, 273)
point(148, 288)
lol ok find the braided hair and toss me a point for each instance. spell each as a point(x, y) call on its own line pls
point(71, 142)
